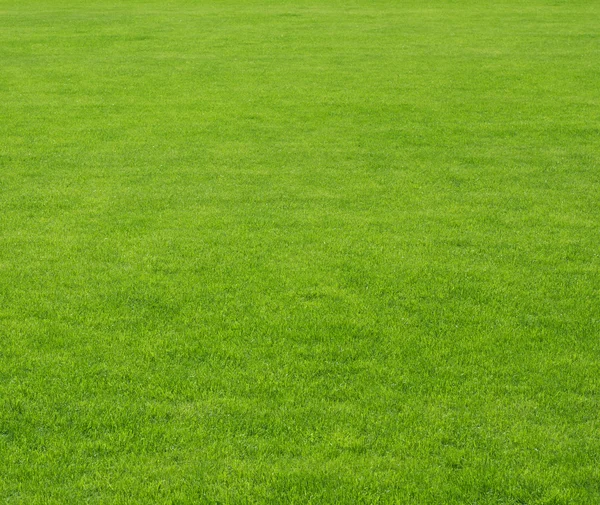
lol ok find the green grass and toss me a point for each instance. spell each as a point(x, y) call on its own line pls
point(300, 252)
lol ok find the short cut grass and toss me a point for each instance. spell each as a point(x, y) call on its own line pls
point(299, 252)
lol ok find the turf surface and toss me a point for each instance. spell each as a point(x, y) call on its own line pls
point(299, 252)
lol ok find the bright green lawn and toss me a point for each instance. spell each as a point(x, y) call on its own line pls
point(300, 251)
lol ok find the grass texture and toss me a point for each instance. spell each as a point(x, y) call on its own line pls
point(300, 252)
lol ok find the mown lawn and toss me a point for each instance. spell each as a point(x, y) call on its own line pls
point(304, 251)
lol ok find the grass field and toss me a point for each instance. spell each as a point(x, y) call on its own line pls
point(300, 252)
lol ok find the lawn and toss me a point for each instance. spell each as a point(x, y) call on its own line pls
point(300, 252)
